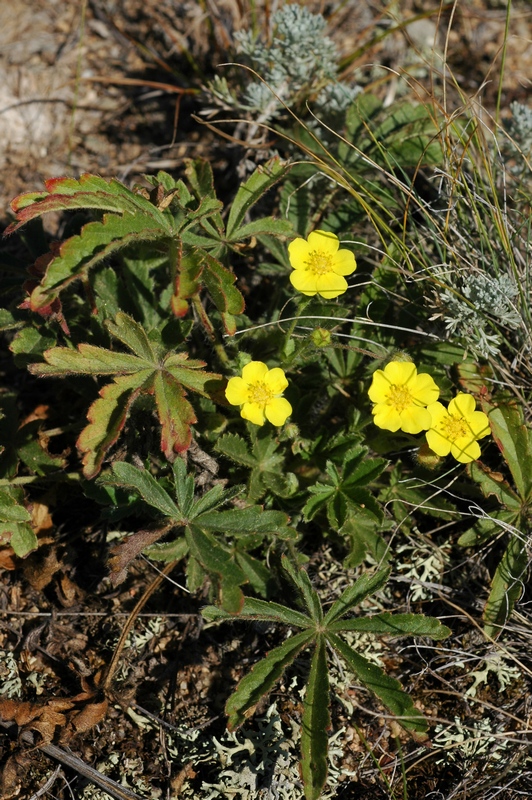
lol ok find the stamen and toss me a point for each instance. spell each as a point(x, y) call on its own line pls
point(400, 397)
point(319, 263)
point(259, 393)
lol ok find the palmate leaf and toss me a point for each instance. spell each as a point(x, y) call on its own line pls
point(168, 378)
point(315, 723)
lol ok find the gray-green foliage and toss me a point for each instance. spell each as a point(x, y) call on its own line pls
point(299, 61)
point(481, 298)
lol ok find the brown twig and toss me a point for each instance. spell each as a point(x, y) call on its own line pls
point(131, 621)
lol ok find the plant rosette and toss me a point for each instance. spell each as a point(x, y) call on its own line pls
point(457, 428)
point(259, 393)
point(319, 265)
point(401, 395)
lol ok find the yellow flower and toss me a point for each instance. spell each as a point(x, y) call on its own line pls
point(319, 266)
point(259, 392)
point(455, 429)
point(401, 395)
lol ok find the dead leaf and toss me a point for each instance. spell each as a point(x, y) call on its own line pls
point(41, 568)
point(123, 554)
point(89, 716)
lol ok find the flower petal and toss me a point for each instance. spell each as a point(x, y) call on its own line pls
point(380, 387)
point(278, 411)
point(386, 417)
point(415, 420)
point(438, 443)
point(344, 262)
point(330, 285)
point(465, 450)
point(298, 253)
point(437, 412)
point(253, 412)
point(254, 371)
point(236, 391)
point(323, 240)
point(424, 388)
point(463, 404)
point(400, 372)
point(276, 381)
point(479, 424)
point(304, 282)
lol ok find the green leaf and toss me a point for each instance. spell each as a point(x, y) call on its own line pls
point(514, 440)
point(90, 191)
point(131, 477)
point(11, 508)
point(133, 336)
point(364, 586)
point(252, 519)
point(257, 573)
point(485, 528)
point(87, 360)
point(167, 551)
point(219, 282)
point(23, 539)
point(314, 724)
point(235, 448)
point(395, 625)
point(361, 530)
point(262, 678)
point(493, 483)
point(264, 177)
point(308, 593)
point(387, 689)
point(14, 521)
point(507, 585)
point(263, 226)
point(216, 560)
point(215, 497)
point(265, 610)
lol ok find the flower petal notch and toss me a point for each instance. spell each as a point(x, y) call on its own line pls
point(259, 394)
point(457, 428)
point(401, 395)
point(319, 265)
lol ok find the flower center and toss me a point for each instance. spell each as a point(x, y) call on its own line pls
point(453, 428)
point(259, 393)
point(400, 397)
point(319, 263)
